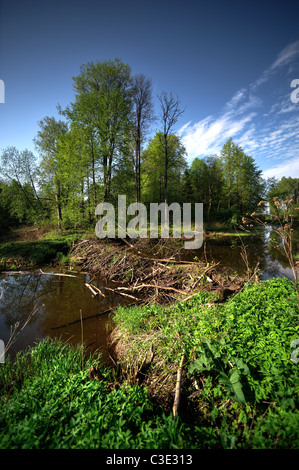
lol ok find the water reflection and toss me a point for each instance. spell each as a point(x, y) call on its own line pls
point(56, 301)
point(259, 251)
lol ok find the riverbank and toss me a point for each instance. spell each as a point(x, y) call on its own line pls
point(154, 270)
point(197, 364)
point(224, 369)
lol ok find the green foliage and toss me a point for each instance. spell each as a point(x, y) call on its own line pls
point(240, 351)
point(55, 405)
point(282, 190)
point(34, 253)
point(153, 169)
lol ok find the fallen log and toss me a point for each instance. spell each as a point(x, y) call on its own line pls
point(178, 388)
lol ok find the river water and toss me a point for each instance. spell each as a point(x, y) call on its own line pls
point(55, 302)
point(53, 306)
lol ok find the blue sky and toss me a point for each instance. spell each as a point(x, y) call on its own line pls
point(230, 62)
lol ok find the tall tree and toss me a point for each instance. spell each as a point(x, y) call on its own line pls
point(153, 173)
point(170, 113)
point(243, 184)
point(103, 105)
point(46, 142)
point(142, 117)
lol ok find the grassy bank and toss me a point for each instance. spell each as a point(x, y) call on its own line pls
point(47, 401)
point(24, 249)
point(239, 385)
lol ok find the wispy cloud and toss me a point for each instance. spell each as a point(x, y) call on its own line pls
point(266, 131)
point(289, 168)
point(285, 57)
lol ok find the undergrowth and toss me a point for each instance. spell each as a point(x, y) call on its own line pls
point(47, 401)
point(239, 385)
point(238, 375)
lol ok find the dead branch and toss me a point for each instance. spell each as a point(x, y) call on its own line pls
point(178, 388)
point(92, 290)
point(117, 291)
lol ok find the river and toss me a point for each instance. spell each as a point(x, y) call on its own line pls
point(54, 303)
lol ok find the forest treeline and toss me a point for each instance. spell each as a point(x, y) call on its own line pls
point(108, 142)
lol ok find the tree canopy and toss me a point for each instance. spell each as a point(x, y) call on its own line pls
point(104, 145)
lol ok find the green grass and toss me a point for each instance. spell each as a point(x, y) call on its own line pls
point(21, 254)
point(240, 380)
point(240, 386)
point(47, 401)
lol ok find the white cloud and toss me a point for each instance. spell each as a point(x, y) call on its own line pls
point(286, 55)
point(289, 168)
point(284, 58)
point(208, 135)
point(267, 135)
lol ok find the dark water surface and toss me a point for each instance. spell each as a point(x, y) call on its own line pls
point(53, 305)
point(259, 252)
point(57, 300)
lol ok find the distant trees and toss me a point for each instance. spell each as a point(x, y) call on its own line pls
point(243, 186)
point(98, 150)
point(282, 189)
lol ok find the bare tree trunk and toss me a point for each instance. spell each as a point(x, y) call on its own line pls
point(58, 204)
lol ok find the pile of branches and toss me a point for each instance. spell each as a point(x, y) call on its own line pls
point(133, 270)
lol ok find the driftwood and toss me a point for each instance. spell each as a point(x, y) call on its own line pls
point(56, 274)
point(24, 273)
point(91, 316)
point(117, 291)
point(178, 388)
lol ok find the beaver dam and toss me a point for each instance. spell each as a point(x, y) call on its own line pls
point(149, 272)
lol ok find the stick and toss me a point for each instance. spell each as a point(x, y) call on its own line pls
point(201, 276)
point(178, 389)
point(160, 287)
point(99, 290)
point(92, 316)
point(85, 318)
point(93, 291)
point(57, 274)
point(82, 337)
point(121, 293)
